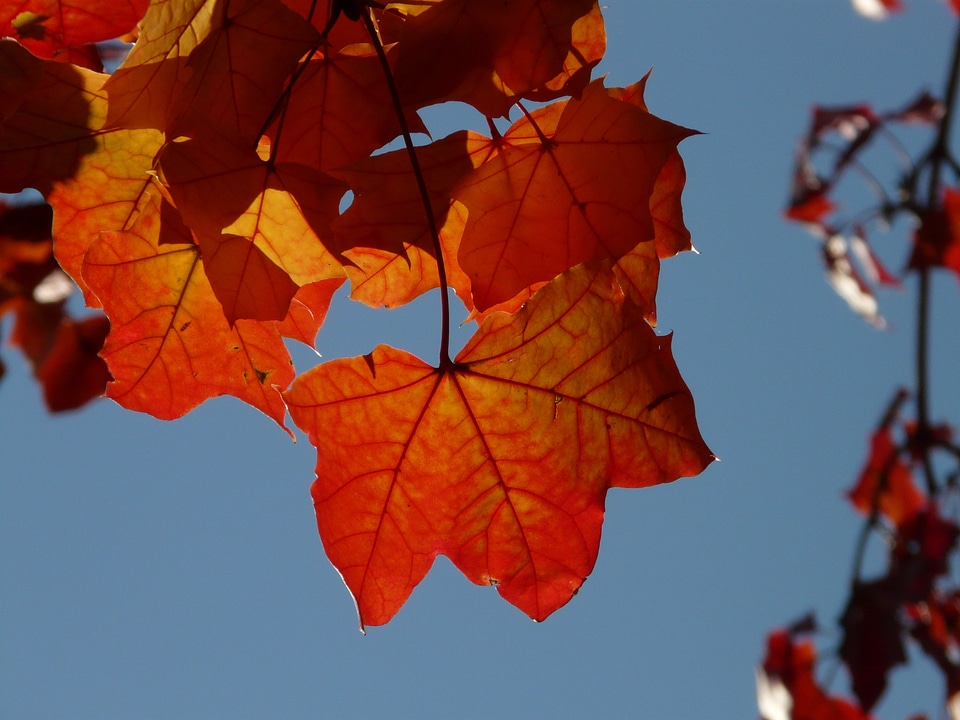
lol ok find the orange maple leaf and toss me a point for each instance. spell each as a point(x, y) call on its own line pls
point(570, 184)
point(385, 233)
point(502, 460)
point(460, 50)
point(230, 89)
point(170, 346)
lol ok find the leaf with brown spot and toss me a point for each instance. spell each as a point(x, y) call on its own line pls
point(170, 346)
point(48, 28)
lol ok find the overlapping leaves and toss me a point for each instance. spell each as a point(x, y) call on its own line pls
point(197, 194)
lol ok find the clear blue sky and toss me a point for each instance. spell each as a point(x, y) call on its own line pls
point(172, 570)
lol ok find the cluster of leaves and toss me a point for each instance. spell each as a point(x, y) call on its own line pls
point(214, 191)
point(915, 598)
point(844, 240)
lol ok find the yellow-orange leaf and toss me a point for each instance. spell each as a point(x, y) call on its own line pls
point(502, 460)
point(308, 309)
point(225, 191)
point(145, 87)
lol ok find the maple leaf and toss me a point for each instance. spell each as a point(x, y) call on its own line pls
point(459, 50)
point(318, 125)
point(170, 346)
point(45, 119)
point(196, 197)
point(229, 88)
point(502, 460)
point(638, 271)
point(570, 184)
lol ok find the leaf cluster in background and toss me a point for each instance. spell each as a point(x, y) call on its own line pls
point(198, 194)
point(907, 489)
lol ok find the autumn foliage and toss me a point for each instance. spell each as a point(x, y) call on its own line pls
point(907, 487)
point(249, 157)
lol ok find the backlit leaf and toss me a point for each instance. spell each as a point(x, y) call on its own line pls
point(502, 460)
point(170, 346)
point(536, 209)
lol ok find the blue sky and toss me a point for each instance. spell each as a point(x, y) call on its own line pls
point(161, 570)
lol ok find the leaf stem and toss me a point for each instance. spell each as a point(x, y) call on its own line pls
point(939, 152)
point(543, 138)
point(445, 362)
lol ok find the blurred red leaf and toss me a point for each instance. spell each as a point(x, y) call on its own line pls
point(872, 637)
point(73, 373)
point(787, 688)
point(920, 555)
point(877, 9)
point(937, 239)
point(886, 483)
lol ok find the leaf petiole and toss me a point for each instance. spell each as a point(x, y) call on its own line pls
point(445, 361)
